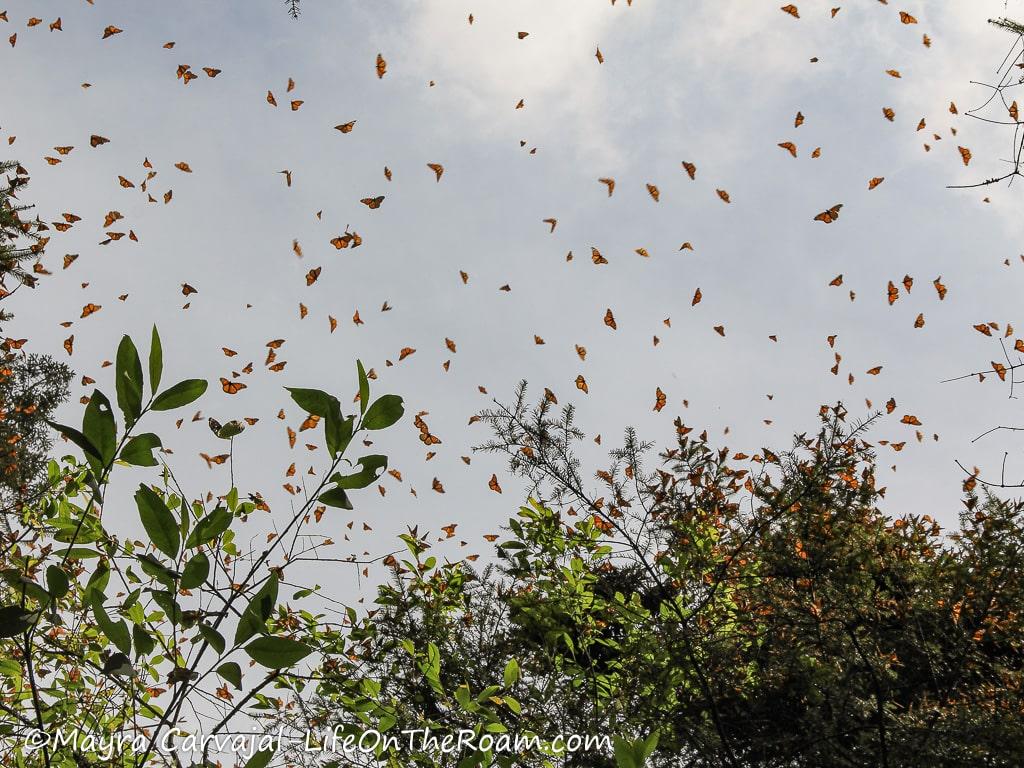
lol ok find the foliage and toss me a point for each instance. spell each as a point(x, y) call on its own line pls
point(31, 388)
point(20, 240)
point(720, 610)
point(109, 638)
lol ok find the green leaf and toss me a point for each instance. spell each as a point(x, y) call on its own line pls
point(314, 401)
point(182, 393)
point(232, 429)
point(364, 387)
point(144, 642)
point(634, 753)
point(99, 428)
point(128, 380)
point(231, 672)
point(209, 528)
point(338, 430)
point(277, 652)
point(97, 581)
point(213, 637)
point(373, 467)
point(511, 673)
point(116, 631)
point(156, 362)
point(139, 450)
point(384, 412)
point(57, 582)
point(168, 604)
point(254, 618)
point(261, 759)
point(196, 571)
point(14, 620)
point(77, 438)
point(158, 521)
point(158, 570)
point(335, 497)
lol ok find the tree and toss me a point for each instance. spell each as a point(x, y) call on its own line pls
point(719, 610)
point(31, 388)
point(20, 240)
point(1001, 108)
point(108, 643)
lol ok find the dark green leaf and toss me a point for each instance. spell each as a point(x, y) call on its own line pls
point(77, 438)
point(312, 401)
point(195, 572)
point(139, 450)
point(254, 618)
point(144, 643)
point(335, 497)
point(384, 412)
point(372, 468)
point(261, 759)
point(232, 429)
point(209, 528)
point(99, 428)
point(57, 582)
point(338, 430)
point(117, 631)
point(364, 387)
point(182, 393)
point(213, 637)
point(168, 604)
point(158, 521)
point(128, 380)
point(232, 673)
point(156, 361)
point(277, 652)
point(158, 570)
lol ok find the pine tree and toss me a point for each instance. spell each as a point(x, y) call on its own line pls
point(1009, 25)
point(31, 387)
point(20, 241)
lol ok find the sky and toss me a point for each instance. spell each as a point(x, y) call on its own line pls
point(718, 84)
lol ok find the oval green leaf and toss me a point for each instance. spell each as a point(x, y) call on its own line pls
point(277, 652)
point(158, 521)
point(182, 393)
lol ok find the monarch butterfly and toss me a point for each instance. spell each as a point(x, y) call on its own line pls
point(892, 293)
point(609, 320)
point(346, 127)
point(659, 399)
point(231, 387)
point(382, 66)
point(493, 484)
point(829, 215)
point(373, 203)
point(581, 384)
